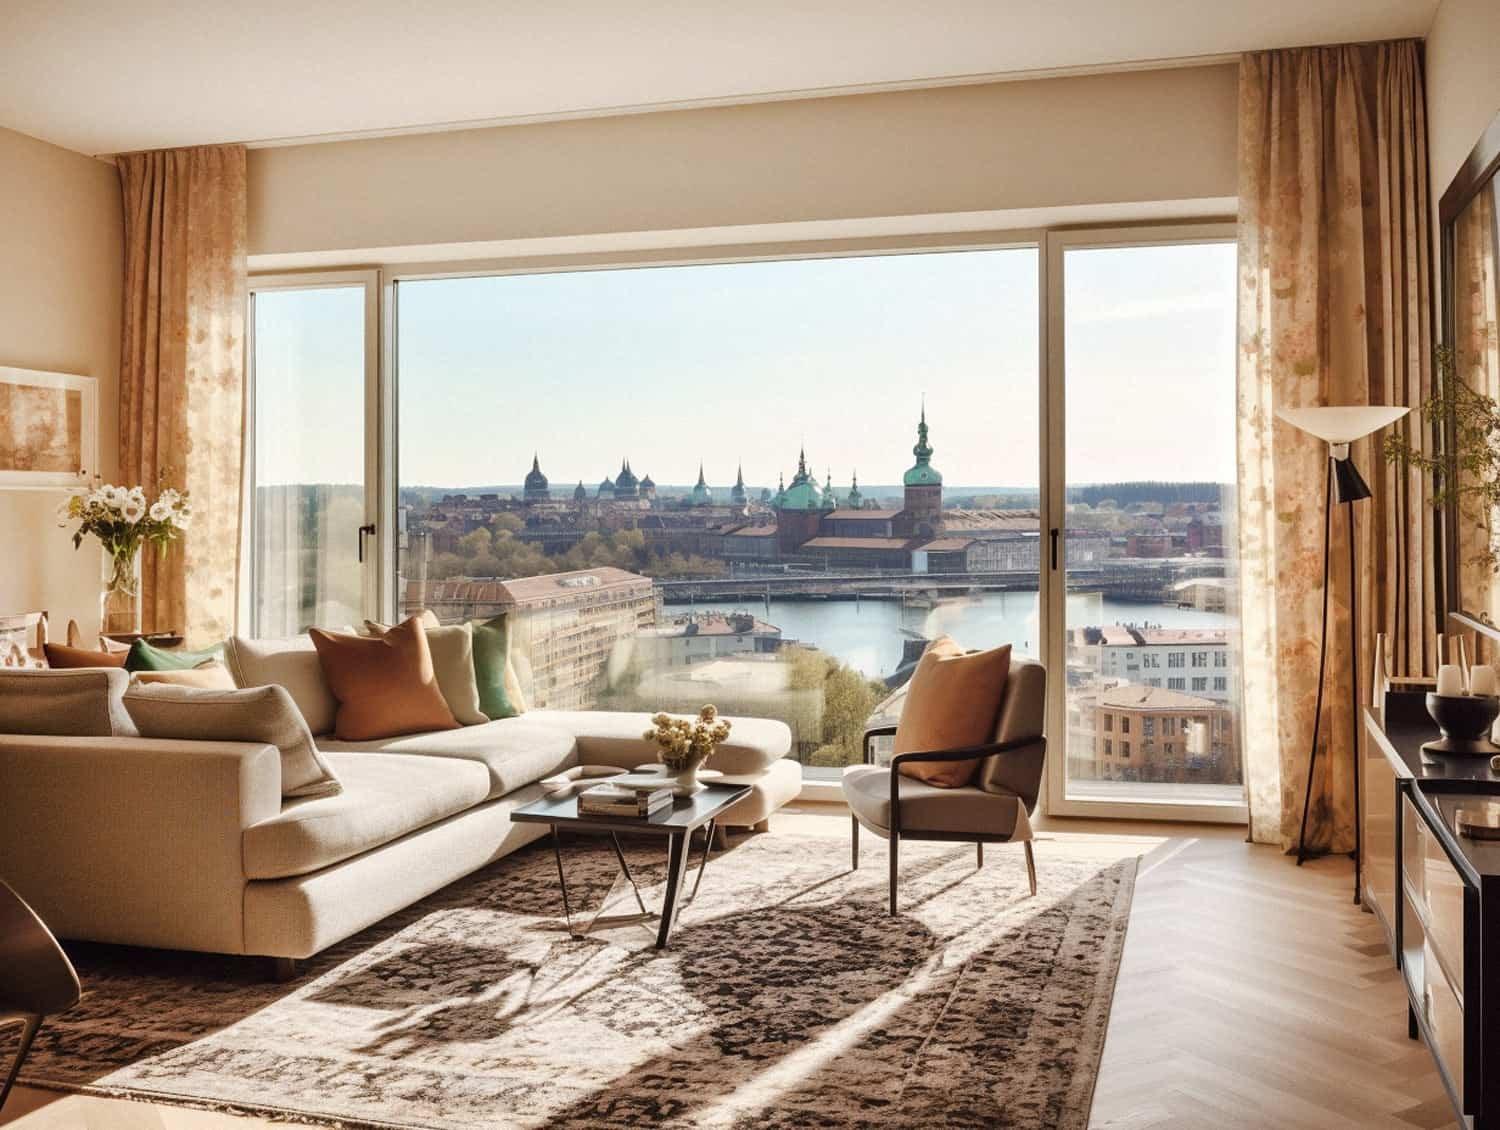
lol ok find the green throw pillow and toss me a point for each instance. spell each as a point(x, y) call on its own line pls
point(491, 654)
point(144, 657)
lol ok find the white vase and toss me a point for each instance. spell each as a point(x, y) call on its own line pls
point(684, 781)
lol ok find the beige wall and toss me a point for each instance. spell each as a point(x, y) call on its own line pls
point(61, 254)
point(1463, 83)
point(1145, 136)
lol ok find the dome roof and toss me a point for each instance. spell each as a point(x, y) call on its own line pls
point(607, 487)
point(536, 482)
point(580, 492)
point(804, 493)
point(626, 480)
point(647, 483)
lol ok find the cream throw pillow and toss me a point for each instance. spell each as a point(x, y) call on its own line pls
point(291, 663)
point(258, 714)
point(210, 676)
point(452, 648)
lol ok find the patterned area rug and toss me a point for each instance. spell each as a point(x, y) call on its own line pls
point(789, 998)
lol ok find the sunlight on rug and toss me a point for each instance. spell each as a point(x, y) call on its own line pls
point(789, 998)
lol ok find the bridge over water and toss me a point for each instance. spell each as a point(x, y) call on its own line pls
point(1142, 579)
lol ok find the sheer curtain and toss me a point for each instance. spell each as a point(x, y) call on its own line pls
point(182, 372)
point(1335, 308)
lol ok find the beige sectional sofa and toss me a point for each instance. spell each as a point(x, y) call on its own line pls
point(190, 845)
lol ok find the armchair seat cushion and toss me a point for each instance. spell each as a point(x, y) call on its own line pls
point(930, 808)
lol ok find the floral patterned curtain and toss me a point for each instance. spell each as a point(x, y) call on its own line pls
point(181, 372)
point(1335, 308)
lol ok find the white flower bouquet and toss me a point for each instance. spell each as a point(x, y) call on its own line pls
point(685, 744)
point(123, 521)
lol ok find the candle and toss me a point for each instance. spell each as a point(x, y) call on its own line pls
point(1450, 680)
point(1482, 680)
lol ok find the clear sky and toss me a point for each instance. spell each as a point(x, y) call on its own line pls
point(747, 362)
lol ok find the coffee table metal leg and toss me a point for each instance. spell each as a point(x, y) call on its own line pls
point(625, 867)
point(561, 879)
point(708, 839)
point(677, 852)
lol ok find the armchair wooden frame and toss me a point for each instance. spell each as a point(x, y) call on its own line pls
point(897, 833)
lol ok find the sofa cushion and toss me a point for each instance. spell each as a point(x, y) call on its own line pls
point(384, 798)
point(492, 669)
point(256, 714)
point(61, 657)
point(83, 702)
point(516, 751)
point(385, 685)
point(289, 663)
point(210, 676)
point(930, 808)
point(616, 737)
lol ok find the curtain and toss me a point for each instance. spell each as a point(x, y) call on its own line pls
point(1476, 350)
point(1335, 308)
point(181, 373)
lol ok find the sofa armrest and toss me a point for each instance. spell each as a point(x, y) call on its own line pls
point(134, 840)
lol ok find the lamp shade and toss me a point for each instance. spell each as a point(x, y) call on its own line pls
point(1342, 423)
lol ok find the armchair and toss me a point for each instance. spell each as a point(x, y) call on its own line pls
point(996, 808)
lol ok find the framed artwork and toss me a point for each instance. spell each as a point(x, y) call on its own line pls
point(49, 428)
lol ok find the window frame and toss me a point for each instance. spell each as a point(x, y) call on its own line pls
point(382, 441)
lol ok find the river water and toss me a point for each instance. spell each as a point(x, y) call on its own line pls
point(869, 634)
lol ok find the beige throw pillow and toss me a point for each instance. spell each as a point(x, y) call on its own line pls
point(452, 648)
point(257, 714)
point(291, 663)
point(79, 702)
point(951, 703)
point(209, 676)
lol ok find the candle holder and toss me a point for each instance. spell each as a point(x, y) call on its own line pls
point(1465, 721)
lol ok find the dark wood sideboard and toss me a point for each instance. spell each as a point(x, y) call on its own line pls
point(1437, 893)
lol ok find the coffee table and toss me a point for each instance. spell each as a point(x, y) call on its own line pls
point(675, 824)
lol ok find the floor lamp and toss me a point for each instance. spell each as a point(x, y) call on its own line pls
point(1339, 426)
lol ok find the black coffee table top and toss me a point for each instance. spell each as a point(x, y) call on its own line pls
point(686, 813)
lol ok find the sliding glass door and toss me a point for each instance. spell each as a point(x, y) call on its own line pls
point(1143, 361)
point(312, 359)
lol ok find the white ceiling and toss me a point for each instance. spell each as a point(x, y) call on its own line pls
point(105, 76)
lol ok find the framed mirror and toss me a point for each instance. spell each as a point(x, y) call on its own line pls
point(1469, 228)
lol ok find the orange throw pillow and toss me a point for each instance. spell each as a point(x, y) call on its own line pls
point(61, 657)
point(952, 703)
point(385, 685)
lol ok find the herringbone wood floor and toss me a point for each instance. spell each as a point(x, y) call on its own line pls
point(1252, 994)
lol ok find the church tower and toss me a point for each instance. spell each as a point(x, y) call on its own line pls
point(922, 514)
point(535, 488)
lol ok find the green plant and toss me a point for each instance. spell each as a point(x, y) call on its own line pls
point(1465, 472)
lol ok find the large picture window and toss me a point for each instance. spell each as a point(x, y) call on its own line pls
point(761, 485)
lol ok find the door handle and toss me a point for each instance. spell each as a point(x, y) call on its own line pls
point(1054, 547)
point(363, 530)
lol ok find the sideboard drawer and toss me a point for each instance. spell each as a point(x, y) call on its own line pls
point(1445, 1020)
point(1444, 891)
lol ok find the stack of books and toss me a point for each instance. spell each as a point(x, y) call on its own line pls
point(617, 800)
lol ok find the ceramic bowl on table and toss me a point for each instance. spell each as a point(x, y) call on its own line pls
point(1465, 720)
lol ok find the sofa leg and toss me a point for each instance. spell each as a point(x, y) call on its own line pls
point(1030, 866)
point(762, 825)
point(854, 843)
point(895, 842)
point(978, 854)
point(721, 838)
point(283, 968)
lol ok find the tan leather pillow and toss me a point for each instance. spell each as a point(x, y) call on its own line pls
point(953, 701)
point(385, 686)
point(66, 658)
point(452, 648)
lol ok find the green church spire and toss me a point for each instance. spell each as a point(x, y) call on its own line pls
point(923, 473)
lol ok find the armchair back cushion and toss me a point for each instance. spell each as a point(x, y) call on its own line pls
point(953, 702)
point(82, 702)
point(1023, 713)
